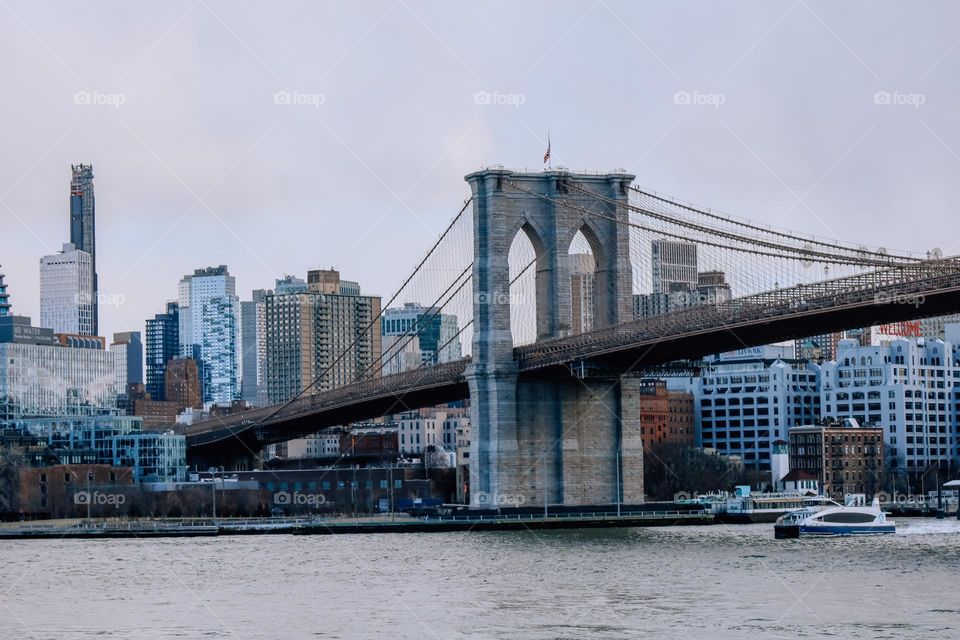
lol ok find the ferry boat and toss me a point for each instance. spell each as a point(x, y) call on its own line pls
point(853, 518)
point(746, 507)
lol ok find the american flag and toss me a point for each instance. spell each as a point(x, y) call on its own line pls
point(546, 156)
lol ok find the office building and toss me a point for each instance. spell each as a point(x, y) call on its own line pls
point(908, 387)
point(253, 322)
point(843, 456)
point(673, 266)
point(66, 292)
point(582, 267)
point(41, 378)
point(154, 457)
point(209, 317)
point(431, 427)
point(130, 346)
point(163, 344)
point(83, 227)
point(414, 336)
point(307, 331)
point(711, 288)
point(748, 399)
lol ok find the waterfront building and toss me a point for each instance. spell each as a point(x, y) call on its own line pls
point(253, 321)
point(673, 266)
point(154, 457)
point(209, 326)
point(908, 387)
point(163, 344)
point(4, 297)
point(67, 299)
point(843, 456)
point(666, 416)
point(129, 345)
point(69, 490)
point(325, 444)
point(582, 267)
point(307, 331)
point(41, 378)
point(430, 427)
point(748, 399)
point(436, 338)
point(83, 234)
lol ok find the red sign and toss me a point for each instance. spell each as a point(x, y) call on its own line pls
point(905, 329)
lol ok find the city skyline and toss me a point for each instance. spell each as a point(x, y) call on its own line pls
point(309, 143)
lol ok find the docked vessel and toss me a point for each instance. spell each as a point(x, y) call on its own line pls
point(851, 519)
point(746, 506)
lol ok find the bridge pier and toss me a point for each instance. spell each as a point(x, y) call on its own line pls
point(550, 438)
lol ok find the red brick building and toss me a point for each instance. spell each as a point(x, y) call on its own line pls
point(666, 417)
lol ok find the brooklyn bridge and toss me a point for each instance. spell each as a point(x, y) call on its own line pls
point(554, 398)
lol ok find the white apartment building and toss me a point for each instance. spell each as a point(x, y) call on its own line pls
point(66, 292)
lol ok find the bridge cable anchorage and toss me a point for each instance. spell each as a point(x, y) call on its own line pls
point(276, 410)
point(798, 252)
point(770, 231)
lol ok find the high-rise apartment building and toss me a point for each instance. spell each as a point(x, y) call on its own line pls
point(673, 266)
point(182, 384)
point(67, 302)
point(83, 227)
point(130, 346)
point(210, 330)
point(307, 331)
point(163, 344)
point(414, 336)
point(253, 345)
point(711, 288)
point(582, 267)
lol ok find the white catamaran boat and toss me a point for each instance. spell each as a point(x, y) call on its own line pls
point(851, 519)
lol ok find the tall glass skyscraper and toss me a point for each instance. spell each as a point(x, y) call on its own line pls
point(163, 344)
point(67, 299)
point(83, 225)
point(210, 330)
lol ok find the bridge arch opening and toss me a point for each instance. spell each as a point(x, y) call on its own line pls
point(582, 267)
point(526, 261)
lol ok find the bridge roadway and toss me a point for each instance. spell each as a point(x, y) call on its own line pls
point(886, 295)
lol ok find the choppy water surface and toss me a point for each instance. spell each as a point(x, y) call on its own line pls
point(701, 582)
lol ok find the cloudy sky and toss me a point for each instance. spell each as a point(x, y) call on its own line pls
point(838, 119)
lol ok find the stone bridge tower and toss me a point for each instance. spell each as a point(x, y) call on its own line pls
point(550, 436)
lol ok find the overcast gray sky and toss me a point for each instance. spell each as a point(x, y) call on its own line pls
point(763, 109)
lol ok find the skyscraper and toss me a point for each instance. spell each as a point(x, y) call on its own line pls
point(130, 345)
point(163, 344)
point(307, 331)
point(434, 344)
point(4, 298)
point(582, 267)
point(83, 226)
point(67, 303)
point(254, 347)
point(210, 330)
point(673, 266)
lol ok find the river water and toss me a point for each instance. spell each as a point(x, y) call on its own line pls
point(680, 582)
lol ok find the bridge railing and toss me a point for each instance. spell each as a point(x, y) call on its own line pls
point(883, 285)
